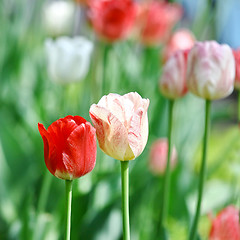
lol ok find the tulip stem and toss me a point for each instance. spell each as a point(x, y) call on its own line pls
point(125, 199)
point(167, 174)
point(106, 49)
point(193, 231)
point(68, 208)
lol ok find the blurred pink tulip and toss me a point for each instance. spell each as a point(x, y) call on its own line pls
point(121, 124)
point(112, 19)
point(182, 39)
point(156, 20)
point(226, 225)
point(158, 156)
point(236, 54)
point(173, 81)
point(211, 70)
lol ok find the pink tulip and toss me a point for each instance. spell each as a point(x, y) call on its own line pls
point(121, 124)
point(236, 54)
point(226, 225)
point(211, 70)
point(182, 39)
point(173, 81)
point(158, 156)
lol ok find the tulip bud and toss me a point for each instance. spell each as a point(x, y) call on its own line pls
point(182, 39)
point(211, 70)
point(173, 81)
point(159, 155)
point(69, 147)
point(58, 18)
point(156, 20)
point(68, 58)
point(236, 54)
point(112, 19)
point(226, 225)
point(121, 124)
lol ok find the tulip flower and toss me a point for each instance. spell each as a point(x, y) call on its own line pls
point(173, 82)
point(58, 18)
point(75, 55)
point(69, 152)
point(236, 54)
point(211, 70)
point(159, 155)
point(183, 39)
point(156, 20)
point(112, 19)
point(173, 86)
point(226, 225)
point(121, 124)
point(210, 75)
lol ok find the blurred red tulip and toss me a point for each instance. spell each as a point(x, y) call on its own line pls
point(173, 82)
point(112, 19)
point(236, 54)
point(156, 20)
point(158, 156)
point(226, 225)
point(182, 39)
point(69, 147)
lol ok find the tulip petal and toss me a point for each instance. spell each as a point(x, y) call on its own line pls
point(112, 134)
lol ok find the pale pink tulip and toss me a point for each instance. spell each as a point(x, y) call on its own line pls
point(182, 39)
point(121, 124)
point(236, 54)
point(173, 81)
point(211, 70)
point(158, 156)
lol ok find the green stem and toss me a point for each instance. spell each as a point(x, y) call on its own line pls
point(167, 175)
point(106, 49)
point(239, 106)
point(125, 199)
point(193, 231)
point(68, 208)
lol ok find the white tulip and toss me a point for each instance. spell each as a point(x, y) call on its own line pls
point(68, 58)
point(58, 17)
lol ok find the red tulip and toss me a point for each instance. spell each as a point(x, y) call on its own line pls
point(69, 147)
point(236, 54)
point(156, 20)
point(112, 19)
point(226, 225)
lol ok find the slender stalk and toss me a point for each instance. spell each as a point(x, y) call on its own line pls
point(167, 175)
point(41, 204)
point(68, 208)
point(125, 199)
point(239, 106)
point(106, 49)
point(193, 231)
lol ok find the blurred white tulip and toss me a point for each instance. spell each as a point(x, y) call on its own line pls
point(58, 17)
point(68, 58)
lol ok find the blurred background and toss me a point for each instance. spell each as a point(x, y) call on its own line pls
point(31, 199)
